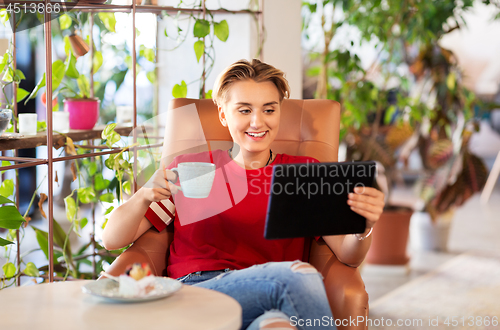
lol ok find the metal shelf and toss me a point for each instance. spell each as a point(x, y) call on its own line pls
point(50, 138)
point(33, 141)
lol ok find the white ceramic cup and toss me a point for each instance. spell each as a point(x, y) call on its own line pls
point(27, 123)
point(60, 121)
point(196, 178)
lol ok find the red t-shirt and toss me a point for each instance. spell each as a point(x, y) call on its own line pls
point(226, 229)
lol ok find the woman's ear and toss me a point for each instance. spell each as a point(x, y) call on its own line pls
point(222, 117)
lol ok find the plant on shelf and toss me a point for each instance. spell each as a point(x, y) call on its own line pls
point(73, 85)
point(10, 79)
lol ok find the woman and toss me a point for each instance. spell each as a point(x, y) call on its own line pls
point(224, 250)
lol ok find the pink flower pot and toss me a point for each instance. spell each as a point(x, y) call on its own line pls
point(83, 113)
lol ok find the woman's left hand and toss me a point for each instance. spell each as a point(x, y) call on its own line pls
point(368, 202)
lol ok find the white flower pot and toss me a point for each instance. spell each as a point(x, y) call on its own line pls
point(428, 235)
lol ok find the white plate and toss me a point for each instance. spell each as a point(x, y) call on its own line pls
point(107, 288)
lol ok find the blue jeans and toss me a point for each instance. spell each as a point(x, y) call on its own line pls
point(291, 290)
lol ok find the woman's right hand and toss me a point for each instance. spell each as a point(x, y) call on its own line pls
point(158, 187)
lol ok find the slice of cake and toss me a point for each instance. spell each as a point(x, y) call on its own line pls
point(137, 281)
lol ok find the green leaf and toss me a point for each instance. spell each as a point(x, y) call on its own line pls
point(4, 163)
point(100, 183)
point(166, 35)
point(199, 49)
point(43, 241)
point(83, 85)
point(42, 125)
point(83, 223)
point(21, 94)
point(97, 61)
point(10, 218)
point(4, 242)
point(109, 210)
point(149, 54)
point(58, 71)
point(3, 199)
point(107, 197)
point(108, 19)
point(40, 16)
point(180, 91)
point(67, 45)
point(41, 83)
point(65, 21)
point(71, 70)
point(151, 75)
point(93, 168)
point(389, 114)
point(7, 188)
point(110, 161)
point(221, 30)
point(70, 205)
point(208, 95)
point(109, 134)
point(19, 75)
point(60, 235)
point(201, 28)
point(9, 269)
point(7, 77)
point(4, 16)
point(31, 270)
point(86, 195)
point(127, 188)
point(128, 61)
point(4, 62)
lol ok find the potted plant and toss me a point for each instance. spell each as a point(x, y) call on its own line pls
point(69, 82)
point(452, 173)
point(11, 77)
point(383, 109)
point(75, 88)
point(374, 126)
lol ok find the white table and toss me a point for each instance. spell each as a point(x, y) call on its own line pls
point(63, 305)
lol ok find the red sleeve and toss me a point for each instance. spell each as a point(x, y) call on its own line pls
point(155, 220)
point(161, 214)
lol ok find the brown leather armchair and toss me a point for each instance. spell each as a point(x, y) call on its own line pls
point(307, 128)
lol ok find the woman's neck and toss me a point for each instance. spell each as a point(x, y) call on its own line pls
point(251, 160)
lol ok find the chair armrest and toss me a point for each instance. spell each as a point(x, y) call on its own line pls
point(344, 286)
point(152, 247)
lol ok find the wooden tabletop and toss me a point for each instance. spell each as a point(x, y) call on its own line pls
point(63, 305)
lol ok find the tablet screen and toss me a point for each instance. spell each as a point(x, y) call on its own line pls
point(311, 199)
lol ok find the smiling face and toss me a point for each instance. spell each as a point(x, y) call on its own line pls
point(252, 114)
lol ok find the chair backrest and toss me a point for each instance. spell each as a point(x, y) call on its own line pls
point(307, 128)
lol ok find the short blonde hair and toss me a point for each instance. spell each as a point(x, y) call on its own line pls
point(242, 70)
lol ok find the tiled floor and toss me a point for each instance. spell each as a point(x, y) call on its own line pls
point(475, 228)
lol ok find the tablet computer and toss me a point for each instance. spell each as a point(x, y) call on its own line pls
point(311, 199)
